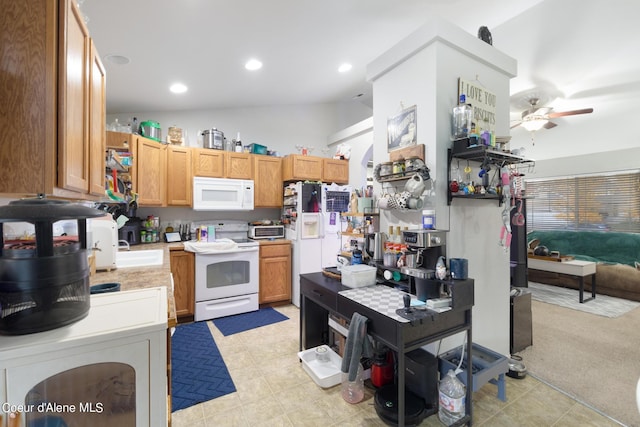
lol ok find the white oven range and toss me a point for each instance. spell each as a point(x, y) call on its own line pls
point(226, 274)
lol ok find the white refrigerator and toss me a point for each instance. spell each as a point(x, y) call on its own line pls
point(315, 233)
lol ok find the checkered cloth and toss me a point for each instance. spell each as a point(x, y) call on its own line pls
point(381, 298)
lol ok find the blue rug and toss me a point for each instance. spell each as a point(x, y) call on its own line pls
point(243, 322)
point(198, 373)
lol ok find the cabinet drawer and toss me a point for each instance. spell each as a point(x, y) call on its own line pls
point(319, 294)
point(267, 251)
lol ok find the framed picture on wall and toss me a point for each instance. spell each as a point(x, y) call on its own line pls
point(402, 130)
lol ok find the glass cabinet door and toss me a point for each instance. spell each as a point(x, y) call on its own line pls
point(101, 388)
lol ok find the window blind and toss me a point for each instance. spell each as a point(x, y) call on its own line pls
point(592, 202)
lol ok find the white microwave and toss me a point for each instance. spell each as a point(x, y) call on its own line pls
point(221, 194)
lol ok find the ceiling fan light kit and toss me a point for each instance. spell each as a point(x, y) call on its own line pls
point(534, 124)
point(536, 118)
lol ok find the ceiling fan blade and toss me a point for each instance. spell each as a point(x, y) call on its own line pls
point(515, 125)
point(550, 125)
point(570, 113)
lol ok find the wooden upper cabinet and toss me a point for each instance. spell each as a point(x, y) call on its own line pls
point(52, 113)
point(296, 167)
point(267, 176)
point(179, 176)
point(208, 162)
point(335, 170)
point(151, 174)
point(28, 96)
point(73, 101)
point(120, 140)
point(238, 165)
point(97, 125)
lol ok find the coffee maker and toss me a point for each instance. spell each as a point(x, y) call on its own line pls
point(424, 247)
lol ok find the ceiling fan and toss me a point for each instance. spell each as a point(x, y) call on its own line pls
point(536, 118)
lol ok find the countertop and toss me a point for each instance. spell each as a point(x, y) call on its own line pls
point(144, 277)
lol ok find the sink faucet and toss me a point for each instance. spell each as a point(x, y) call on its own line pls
point(125, 245)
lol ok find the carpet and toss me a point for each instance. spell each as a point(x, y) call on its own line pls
point(198, 373)
point(592, 358)
point(602, 305)
point(243, 322)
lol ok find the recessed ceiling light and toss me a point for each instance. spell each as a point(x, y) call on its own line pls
point(344, 68)
point(253, 64)
point(178, 88)
point(117, 59)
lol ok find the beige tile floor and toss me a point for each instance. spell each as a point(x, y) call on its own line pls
point(274, 390)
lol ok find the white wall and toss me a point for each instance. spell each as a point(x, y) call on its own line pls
point(280, 128)
point(423, 70)
point(359, 138)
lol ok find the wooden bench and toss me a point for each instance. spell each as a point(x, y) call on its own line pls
point(579, 269)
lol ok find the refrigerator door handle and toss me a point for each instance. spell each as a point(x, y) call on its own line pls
point(321, 228)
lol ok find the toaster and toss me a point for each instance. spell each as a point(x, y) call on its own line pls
point(266, 232)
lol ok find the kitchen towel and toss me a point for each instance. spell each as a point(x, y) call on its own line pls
point(358, 345)
point(230, 325)
point(198, 373)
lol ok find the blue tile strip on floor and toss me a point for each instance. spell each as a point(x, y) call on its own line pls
point(198, 373)
point(243, 322)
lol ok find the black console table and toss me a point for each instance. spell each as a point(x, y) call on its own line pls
point(321, 296)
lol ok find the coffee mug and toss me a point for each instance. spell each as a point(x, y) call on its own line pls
point(414, 203)
point(383, 202)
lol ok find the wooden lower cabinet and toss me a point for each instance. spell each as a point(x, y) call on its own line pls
point(183, 271)
point(275, 271)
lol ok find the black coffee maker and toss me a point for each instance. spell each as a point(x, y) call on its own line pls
point(430, 245)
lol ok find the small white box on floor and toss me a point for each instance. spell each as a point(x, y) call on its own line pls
point(325, 371)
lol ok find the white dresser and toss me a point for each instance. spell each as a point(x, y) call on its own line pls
point(109, 368)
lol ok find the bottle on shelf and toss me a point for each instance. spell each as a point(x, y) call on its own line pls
point(462, 119)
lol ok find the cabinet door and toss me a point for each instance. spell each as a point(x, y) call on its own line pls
point(207, 162)
point(28, 96)
point(97, 119)
point(335, 170)
point(183, 271)
point(150, 174)
point(119, 140)
point(179, 176)
point(238, 165)
point(73, 90)
point(296, 167)
point(267, 172)
point(275, 273)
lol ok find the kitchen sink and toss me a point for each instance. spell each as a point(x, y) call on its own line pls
point(125, 259)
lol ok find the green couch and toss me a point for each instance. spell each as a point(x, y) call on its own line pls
point(617, 256)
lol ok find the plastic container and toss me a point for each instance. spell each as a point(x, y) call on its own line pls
point(103, 288)
point(452, 394)
point(429, 219)
point(353, 391)
point(461, 119)
point(357, 276)
point(257, 149)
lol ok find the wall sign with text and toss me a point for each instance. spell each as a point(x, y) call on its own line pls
point(483, 103)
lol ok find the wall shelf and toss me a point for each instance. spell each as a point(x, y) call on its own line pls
point(481, 154)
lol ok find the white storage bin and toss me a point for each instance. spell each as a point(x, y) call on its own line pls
point(359, 275)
